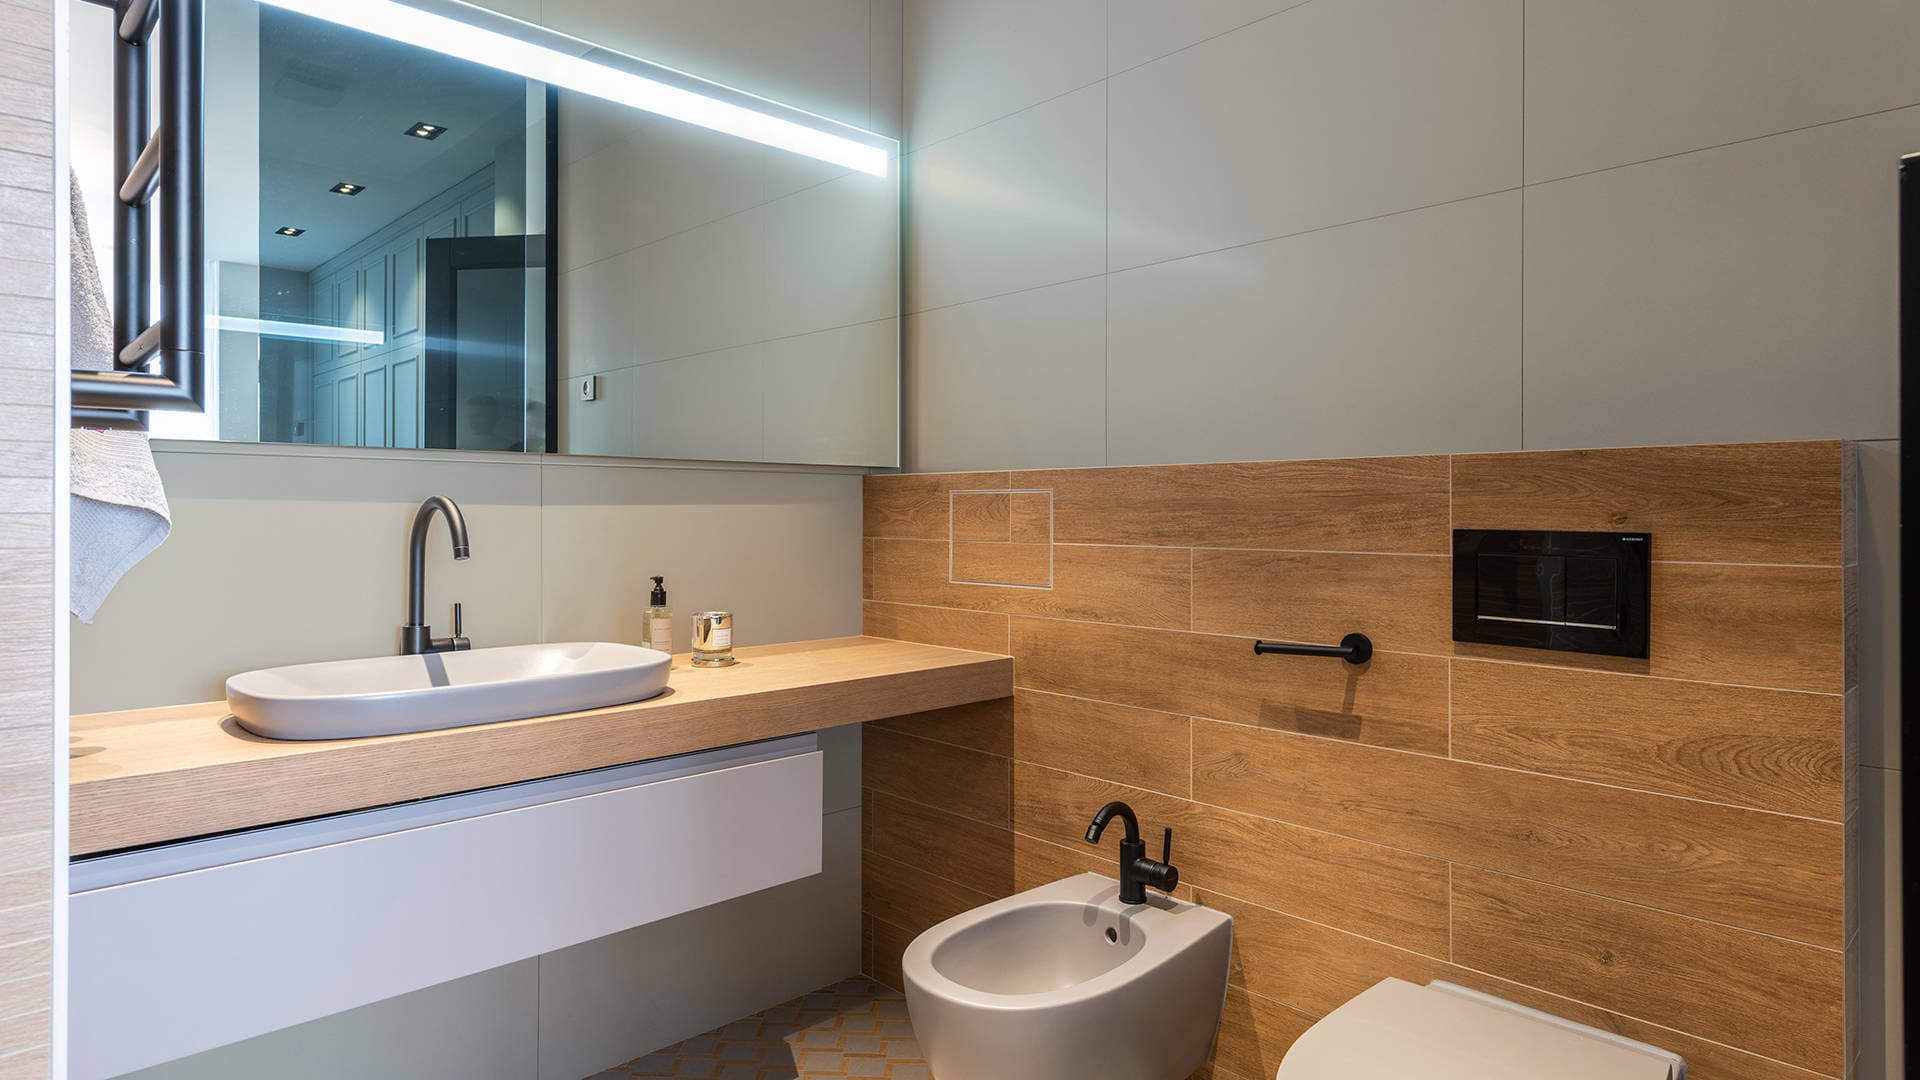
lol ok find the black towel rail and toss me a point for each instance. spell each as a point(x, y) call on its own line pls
point(1354, 649)
point(158, 363)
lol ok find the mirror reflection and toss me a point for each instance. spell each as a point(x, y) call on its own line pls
point(413, 250)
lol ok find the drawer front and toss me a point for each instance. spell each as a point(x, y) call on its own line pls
point(184, 962)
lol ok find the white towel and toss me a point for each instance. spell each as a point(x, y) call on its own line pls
point(119, 506)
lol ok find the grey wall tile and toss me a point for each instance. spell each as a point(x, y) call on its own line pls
point(329, 566)
point(1014, 382)
point(1015, 204)
point(1143, 30)
point(611, 1000)
point(1881, 933)
point(886, 37)
point(971, 61)
point(834, 396)
point(1397, 335)
point(482, 1027)
point(1879, 625)
point(780, 550)
point(1329, 113)
point(1745, 292)
point(1627, 80)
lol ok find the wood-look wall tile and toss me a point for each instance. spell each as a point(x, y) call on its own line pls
point(1139, 747)
point(1032, 517)
point(977, 855)
point(1137, 586)
point(981, 631)
point(1745, 502)
point(1849, 503)
point(1037, 862)
point(958, 781)
point(1397, 700)
point(1002, 563)
point(1255, 1034)
point(1776, 626)
point(1403, 602)
point(889, 945)
point(984, 725)
point(1769, 996)
point(910, 898)
point(915, 505)
point(1305, 965)
point(1391, 504)
point(1770, 749)
point(1766, 872)
point(982, 515)
point(1284, 867)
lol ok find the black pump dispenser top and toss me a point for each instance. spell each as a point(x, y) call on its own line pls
point(659, 597)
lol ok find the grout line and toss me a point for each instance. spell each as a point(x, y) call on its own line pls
point(1477, 764)
point(1539, 664)
point(1449, 911)
point(1724, 145)
point(1523, 227)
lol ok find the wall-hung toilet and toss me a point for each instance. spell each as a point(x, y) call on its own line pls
point(1399, 1031)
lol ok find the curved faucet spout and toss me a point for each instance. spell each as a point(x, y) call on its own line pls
point(416, 636)
point(1106, 814)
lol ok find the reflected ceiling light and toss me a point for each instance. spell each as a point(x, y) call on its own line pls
point(347, 187)
point(424, 130)
point(293, 331)
point(445, 34)
point(289, 230)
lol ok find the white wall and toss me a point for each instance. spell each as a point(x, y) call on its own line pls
point(1146, 232)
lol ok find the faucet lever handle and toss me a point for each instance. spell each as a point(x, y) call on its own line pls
point(1166, 843)
point(458, 629)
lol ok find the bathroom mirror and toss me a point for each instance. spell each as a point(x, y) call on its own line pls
point(432, 226)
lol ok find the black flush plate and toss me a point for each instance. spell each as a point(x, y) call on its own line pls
point(1567, 591)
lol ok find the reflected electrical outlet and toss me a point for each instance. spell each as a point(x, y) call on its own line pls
point(1001, 537)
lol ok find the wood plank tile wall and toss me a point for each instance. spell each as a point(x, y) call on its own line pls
point(1657, 847)
point(27, 388)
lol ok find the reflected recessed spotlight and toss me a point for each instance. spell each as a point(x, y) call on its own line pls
point(346, 188)
point(288, 230)
point(424, 130)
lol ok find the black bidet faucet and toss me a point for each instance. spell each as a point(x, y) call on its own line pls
point(1136, 870)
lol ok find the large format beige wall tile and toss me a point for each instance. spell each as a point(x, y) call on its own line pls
point(281, 559)
point(715, 535)
point(971, 61)
point(812, 55)
point(1292, 124)
point(1143, 30)
point(1010, 206)
point(1740, 293)
point(1281, 349)
point(1627, 80)
point(1011, 382)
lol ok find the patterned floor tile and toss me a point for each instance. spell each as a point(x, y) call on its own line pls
point(855, 1028)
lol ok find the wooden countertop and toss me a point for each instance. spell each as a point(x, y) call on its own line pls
point(145, 776)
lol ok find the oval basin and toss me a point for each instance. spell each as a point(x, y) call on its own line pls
point(391, 695)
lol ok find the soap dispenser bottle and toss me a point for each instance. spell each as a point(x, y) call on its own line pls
point(659, 618)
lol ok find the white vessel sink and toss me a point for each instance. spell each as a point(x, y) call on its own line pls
point(388, 695)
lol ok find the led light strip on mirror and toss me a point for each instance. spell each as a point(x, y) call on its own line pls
point(463, 37)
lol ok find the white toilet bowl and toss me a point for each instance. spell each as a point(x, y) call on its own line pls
point(1396, 1030)
point(1065, 982)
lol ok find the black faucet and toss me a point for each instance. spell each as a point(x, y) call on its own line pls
point(1136, 870)
point(416, 636)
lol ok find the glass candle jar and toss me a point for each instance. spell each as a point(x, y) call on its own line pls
point(712, 638)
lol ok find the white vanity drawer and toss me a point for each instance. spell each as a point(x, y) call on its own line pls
point(184, 948)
